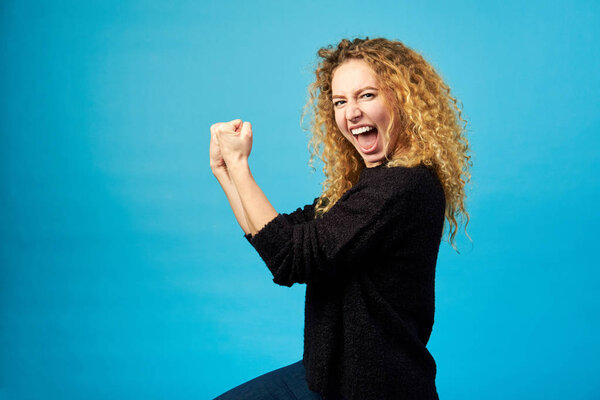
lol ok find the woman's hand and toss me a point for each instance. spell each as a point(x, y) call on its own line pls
point(217, 163)
point(234, 141)
point(230, 146)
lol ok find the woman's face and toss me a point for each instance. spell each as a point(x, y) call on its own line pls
point(359, 110)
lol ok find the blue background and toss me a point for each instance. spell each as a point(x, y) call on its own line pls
point(124, 273)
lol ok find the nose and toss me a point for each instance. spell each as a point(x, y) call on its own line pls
point(353, 112)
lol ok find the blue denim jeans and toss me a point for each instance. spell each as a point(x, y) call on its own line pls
point(287, 383)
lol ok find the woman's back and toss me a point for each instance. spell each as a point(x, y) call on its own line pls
point(369, 266)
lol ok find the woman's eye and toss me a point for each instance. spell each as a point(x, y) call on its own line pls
point(336, 103)
point(368, 94)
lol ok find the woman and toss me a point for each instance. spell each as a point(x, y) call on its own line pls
point(395, 162)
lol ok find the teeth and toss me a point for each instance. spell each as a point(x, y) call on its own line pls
point(362, 130)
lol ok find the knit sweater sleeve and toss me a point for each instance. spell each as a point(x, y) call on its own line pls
point(301, 215)
point(325, 249)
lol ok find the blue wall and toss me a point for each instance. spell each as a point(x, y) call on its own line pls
point(124, 273)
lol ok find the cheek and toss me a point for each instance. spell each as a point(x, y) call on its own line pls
point(382, 116)
point(339, 121)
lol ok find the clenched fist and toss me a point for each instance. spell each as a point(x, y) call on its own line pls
point(231, 142)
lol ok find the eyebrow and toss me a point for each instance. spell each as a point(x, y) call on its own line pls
point(358, 91)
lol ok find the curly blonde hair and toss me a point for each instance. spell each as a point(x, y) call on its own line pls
point(422, 109)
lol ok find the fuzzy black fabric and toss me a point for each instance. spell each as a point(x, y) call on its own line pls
point(369, 269)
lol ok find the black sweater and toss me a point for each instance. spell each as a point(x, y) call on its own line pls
point(369, 268)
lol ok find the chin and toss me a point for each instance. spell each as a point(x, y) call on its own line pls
point(373, 159)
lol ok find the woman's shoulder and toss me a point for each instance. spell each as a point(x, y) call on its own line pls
point(419, 183)
point(400, 176)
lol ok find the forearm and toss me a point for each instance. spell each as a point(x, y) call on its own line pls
point(256, 206)
point(233, 197)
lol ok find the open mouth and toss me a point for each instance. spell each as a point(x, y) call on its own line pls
point(366, 138)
